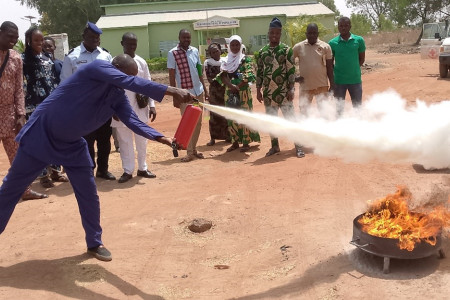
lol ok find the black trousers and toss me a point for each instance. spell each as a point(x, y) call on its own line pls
point(103, 137)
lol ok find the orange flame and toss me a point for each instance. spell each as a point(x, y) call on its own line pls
point(389, 217)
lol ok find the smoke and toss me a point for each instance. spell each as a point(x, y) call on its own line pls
point(382, 129)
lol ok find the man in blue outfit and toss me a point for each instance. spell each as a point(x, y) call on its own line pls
point(53, 135)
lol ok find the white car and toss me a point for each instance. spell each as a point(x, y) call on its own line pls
point(444, 57)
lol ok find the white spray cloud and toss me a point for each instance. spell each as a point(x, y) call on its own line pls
point(383, 129)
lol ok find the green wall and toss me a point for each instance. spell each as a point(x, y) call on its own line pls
point(189, 5)
point(148, 39)
point(151, 36)
point(255, 26)
point(168, 32)
point(110, 40)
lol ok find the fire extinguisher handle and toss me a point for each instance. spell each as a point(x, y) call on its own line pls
point(175, 149)
point(196, 102)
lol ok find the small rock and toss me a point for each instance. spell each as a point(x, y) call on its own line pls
point(200, 225)
point(221, 267)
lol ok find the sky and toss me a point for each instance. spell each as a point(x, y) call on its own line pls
point(11, 10)
point(341, 6)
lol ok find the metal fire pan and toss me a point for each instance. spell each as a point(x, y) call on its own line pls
point(387, 247)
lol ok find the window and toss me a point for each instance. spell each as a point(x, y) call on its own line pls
point(166, 46)
point(258, 40)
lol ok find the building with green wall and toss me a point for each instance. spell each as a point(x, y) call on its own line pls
point(157, 23)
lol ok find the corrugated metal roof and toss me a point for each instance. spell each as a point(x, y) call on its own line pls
point(138, 20)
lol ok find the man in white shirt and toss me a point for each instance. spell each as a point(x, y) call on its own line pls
point(144, 109)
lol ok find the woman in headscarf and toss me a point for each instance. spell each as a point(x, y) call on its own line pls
point(39, 80)
point(236, 75)
point(218, 125)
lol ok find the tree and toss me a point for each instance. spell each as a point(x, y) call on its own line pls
point(331, 5)
point(361, 24)
point(296, 29)
point(67, 16)
point(399, 12)
point(426, 11)
point(373, 9)
point(19, 46)
point(386, 24)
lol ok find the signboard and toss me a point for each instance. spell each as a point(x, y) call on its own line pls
point(216, 22)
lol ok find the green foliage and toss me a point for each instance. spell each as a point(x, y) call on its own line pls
point(66, 16)
point(256, 55)
point(387, 13)
point(361, 24)
point(386, 24)
point(157, 64)
point(426, 10)
point(399, 12)
point(296, 29)
point(331, 5)
point(372, 9)
point(20, 46)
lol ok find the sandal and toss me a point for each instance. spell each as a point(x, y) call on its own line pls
point(58, 177)
point(32, 195)
point(198, 155)
point(299, 153)
point(245, 148)
point(234, 146)
point(272, 151)
point(46, 182)
point(187, 158)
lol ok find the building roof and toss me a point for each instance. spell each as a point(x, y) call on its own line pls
point(143, 19)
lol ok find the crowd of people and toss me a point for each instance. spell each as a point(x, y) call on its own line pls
point(54, 112)
point(326, 71)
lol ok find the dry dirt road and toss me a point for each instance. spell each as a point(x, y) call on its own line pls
point(281, 224)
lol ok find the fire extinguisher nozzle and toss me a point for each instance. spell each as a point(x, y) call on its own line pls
point(197, 102)
point(175, 149)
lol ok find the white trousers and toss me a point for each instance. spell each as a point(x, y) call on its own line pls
point(125, 137)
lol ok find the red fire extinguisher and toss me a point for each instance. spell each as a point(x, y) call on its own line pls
point(186, 128)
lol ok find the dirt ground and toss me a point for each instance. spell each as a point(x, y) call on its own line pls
point(281, 224)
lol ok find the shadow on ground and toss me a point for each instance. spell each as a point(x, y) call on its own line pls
point(357, 261)
point(66, 276)
point(421, 170)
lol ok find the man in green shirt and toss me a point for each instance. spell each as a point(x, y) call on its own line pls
point(349, 54)
point(276, 76)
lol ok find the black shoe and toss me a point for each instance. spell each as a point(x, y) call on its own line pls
point(105, 175)
point(273, 150)
point(100, 253)
point(125, 177)
point(146, 174)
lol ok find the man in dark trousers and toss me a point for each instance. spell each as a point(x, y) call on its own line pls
point(86, 53)
point(349, 54)
point(53, 135)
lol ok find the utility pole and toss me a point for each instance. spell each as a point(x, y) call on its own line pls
point(29, 18)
